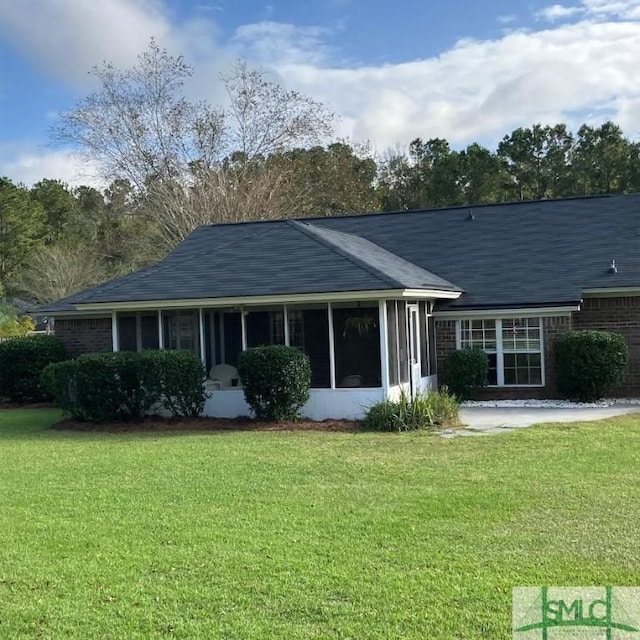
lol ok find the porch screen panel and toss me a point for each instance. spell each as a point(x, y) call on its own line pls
point(232, 341)
point(392, 340)
point(149, 331)
point(265, 327)
point(182, 331)
point(357, 346)
point(309, 331)
point(127, 333)
point(403, 342)
point(424, 340)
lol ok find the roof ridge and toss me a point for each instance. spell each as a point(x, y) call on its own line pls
point(363, 264)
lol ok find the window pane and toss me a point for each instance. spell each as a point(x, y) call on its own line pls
point(478, 334)
point(522, 369)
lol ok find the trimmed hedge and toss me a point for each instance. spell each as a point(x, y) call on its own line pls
point(466, 371)
point(102, 387)
point(22, 361)
point(590, 363)
point(276, 381)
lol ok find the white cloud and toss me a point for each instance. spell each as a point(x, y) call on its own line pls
point(30, 165)
point(558, 12)
point(581, 67)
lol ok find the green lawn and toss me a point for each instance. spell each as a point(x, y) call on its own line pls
point(305, 535)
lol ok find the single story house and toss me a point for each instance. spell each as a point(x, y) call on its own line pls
point(377, 301)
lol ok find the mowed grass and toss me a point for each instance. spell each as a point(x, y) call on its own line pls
point(305, 535)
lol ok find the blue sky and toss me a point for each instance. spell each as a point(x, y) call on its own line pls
point(394, 70)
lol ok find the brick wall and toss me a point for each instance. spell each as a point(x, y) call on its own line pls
point(551, 328)
point(84, 335)
point(620, 315)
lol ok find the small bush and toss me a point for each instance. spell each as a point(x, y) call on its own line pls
point(276, 381)
point(22, 361)
point(426, 411)
point(180, 377)
point(103, 387)
point(466, 371)
point(590, 363)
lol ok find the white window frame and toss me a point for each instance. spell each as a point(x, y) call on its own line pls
point(500, 353)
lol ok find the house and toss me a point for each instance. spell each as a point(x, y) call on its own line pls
point(377, 301)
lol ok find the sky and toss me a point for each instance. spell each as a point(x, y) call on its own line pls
point(391, 70)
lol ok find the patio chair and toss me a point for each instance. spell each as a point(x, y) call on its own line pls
point(224, 376)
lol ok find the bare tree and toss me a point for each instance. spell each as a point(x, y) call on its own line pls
point(138, 126)
point(55, 272)
point(194, 163)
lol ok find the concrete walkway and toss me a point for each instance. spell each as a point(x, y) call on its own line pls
point(489, 420)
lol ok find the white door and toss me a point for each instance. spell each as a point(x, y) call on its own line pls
point(415, 372)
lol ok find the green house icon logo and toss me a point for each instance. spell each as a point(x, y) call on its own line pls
point(568, 613)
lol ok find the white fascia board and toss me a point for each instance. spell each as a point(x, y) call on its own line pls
point(341, 296)
point(537, 312)
point(611, 292)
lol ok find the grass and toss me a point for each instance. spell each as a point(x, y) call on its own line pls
point(305, 534)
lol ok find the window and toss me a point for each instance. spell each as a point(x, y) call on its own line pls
point(514, 347)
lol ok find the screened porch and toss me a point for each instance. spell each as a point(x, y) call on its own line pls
point(367, 349)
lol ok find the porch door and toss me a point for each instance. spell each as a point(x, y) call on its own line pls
point(415, 372)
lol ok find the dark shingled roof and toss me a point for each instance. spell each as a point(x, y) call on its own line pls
point(508, 255)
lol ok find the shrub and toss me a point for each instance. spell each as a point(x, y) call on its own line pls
point(22, 361)
point(426, 411)
point(102, 387)
point(466, 371)
point(276, 381)
point(590, 363)
point(179, 378)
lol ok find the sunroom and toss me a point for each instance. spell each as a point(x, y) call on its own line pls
point(360, 350)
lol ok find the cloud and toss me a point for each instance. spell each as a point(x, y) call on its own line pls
point(29, 165)
point(579, 66)
point(558, 12)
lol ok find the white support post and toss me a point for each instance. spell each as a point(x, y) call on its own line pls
point(332, 353)
point(243, 322)
point(160, 330)
point(384, 347)
point(203, 355)
point(285, 320)
point(223, 354)
point(115, 338)
point(138, 332)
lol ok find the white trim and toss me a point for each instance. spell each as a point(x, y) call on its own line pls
point(499, 353)
point(203, 354)
point(115, 337)
point(243, 325)
point(336, 296)
point(612, 292)
point(332, 347)
point(384, 347)
point(160, 330)
point(489, 314)
point(285, 320)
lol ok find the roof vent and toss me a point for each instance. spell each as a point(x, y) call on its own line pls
point(471, 215)
point(613, 268)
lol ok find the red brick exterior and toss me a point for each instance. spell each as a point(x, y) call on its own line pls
point(84, 335)
point(620, 315)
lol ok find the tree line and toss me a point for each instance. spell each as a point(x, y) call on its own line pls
point(172, 164)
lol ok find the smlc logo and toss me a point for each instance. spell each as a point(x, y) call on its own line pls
point(548, 613)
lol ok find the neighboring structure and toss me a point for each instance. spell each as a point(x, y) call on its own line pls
point(377, 301)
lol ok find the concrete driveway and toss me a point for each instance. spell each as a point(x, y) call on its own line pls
point(488, 420)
